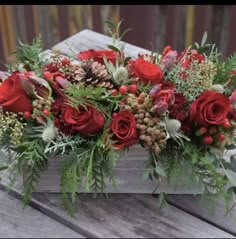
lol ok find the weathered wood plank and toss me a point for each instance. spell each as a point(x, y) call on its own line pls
point(203, 15)
point(194, 205)
point(143, 22)
point(88, 39)
point(131, 216)
point(128, 174)
point(172, 25)
point(231, 44)
point(29, 22)
point(96, 18)
point(28, 223)
point(63, 21)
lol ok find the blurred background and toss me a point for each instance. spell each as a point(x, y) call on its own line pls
point(153, 26)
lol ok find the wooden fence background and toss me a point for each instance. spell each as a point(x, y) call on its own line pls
point(153, 26)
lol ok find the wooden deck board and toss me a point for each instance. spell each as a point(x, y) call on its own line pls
point(30, 223)
point(131, 216)
point(195, 206)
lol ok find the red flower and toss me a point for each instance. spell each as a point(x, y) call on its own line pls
point(210, 108)
point(87, 121)
point(58, 84)
point(168, 57)
point(177, 110)
point(192, 55)
point(187, 60)
point(13, 97)
point(97, 55)
point(146, 71)
point(167, 85)
point(123, 126)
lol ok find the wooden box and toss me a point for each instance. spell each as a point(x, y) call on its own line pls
point(130, 167)
point(128, 174)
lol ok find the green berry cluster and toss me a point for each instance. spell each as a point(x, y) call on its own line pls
point(11, 126)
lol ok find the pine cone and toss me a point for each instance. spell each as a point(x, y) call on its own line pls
point(93, 73)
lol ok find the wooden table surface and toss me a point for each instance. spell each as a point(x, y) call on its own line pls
point(121, 215)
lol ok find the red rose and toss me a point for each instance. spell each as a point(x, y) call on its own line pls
point(123, 126)
point(13, 97)
point(97, 55)
point(146, 71)
point(210, 108)
point(87, 121)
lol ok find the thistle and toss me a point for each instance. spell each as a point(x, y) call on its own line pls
point(47, 131)
point(172, 127)
point(120, 75)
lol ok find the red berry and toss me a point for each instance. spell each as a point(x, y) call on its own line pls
point(140, 100)
point(226, 124)
point(27, 114)
point(47, 75)
point(221, 137)
point(114, 114)
point(203, 130)
point(114, 92)
point(133, 88)
point(207, 139)
point(123, 89)
point(46, 112)
point(212, 130)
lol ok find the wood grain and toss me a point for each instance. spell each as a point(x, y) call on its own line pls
point(197, 207)
point(28, 223)
point(128, 174)
point(88, 39)
point(131, 216)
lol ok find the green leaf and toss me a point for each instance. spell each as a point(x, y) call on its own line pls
point(146, 175)
point(113, 48)
point(229, 147)
point(204, 38)
point(231, 179)
point(127, 30)
point(126, 60)
point(110, 24)
point(203, 49)
point(3, 168)
point(119, 24)
point(161, 202)
point(160, 171)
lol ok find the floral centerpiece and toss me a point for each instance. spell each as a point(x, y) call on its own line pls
point(180, 107)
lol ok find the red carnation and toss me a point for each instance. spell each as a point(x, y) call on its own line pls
point(177, 110)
